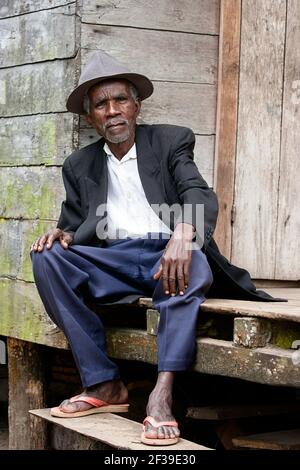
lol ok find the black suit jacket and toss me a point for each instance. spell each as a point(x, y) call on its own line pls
point(168, 175)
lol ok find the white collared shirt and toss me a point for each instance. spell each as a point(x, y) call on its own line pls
point(129, 214)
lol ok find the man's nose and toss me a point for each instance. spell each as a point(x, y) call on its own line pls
point(112, 108)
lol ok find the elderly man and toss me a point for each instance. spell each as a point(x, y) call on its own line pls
point(112, 245)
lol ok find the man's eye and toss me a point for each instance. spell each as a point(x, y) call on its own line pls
point(122, 99)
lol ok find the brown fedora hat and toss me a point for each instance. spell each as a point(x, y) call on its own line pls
point(102, 66)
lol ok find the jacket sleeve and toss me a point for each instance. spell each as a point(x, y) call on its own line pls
point(193, 191)
point(71, 215)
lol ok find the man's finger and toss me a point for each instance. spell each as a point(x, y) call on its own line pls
point(172, 278)
point(41, 242)
point(165, 276)
point(52, 237)
point(180, 278)
point(186, 269)
point(65, 240)
point(158, 273)
point(34, 246)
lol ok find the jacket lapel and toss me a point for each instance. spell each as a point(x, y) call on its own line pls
point(149, 168)
point(97, 180)
point(96, 187)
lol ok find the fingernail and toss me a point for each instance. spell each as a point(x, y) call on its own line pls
point(181, 292)
point(166, 292)
point(173, 295)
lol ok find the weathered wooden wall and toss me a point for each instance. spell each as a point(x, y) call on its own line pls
point(38, 69)
point(265, 236)
point(175, 43)
point(43, 45)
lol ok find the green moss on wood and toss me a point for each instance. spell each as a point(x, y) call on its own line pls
point(47, 141)
point(16, 237)
point(23, 317)
point(284, 334)
point(31, 192)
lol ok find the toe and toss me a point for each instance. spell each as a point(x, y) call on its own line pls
point(150, 432)
point(68, 407)
point(166, 430)
point(161, 432)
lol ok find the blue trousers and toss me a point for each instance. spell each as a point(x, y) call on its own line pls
point(126, 267)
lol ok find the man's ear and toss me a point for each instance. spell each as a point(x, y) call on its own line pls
point(138, 104)
point(88, 119)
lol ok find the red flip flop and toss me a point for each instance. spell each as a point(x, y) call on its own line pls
point(156, 424)
point(99, 406)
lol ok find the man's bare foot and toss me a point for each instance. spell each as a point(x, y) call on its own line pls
point(112, 391)
point(160, 408)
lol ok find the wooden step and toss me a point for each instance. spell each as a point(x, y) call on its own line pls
point(289, 311)
point(223, 412)
point(112, 430)
point(278, 440)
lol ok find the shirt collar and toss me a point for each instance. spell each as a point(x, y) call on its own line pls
point(130, 154)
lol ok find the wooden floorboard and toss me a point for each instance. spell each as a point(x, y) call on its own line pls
point(278, 440)
point(221, 412)
point(289, 311)
point(113, 430)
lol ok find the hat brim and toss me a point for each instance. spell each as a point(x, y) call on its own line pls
point(75, 101)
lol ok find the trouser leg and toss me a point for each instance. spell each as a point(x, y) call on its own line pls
point(178, 317)
point(61, 277)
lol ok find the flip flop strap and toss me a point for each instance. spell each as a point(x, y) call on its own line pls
point(157, 424)
point(90, 400)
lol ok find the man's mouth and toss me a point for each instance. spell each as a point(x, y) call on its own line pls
point(115, 125)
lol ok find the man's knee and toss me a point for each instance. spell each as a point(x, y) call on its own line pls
point(42, 259)
point(203, 273)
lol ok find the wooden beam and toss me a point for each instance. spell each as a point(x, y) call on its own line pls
point(41, 88)
point(152, 321)
point(251, 332)
point(15, 7)
point(227, 107)
point(31, 192)
point(160, 55)
point(26, 366)
point(222, 412)
point(39, 36)
point(269, 365)
point(115, 431)
point(185, 15)
point(43, 139)
point(277, 440)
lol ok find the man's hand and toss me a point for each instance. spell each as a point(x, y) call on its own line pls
point(49, 237)
point(176, 260)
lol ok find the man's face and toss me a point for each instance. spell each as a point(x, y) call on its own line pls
point(113, 111)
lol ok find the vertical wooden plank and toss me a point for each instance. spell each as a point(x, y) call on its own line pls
point(226, 126)
point(259, 132)
point(26, 391)
point(288, 227)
